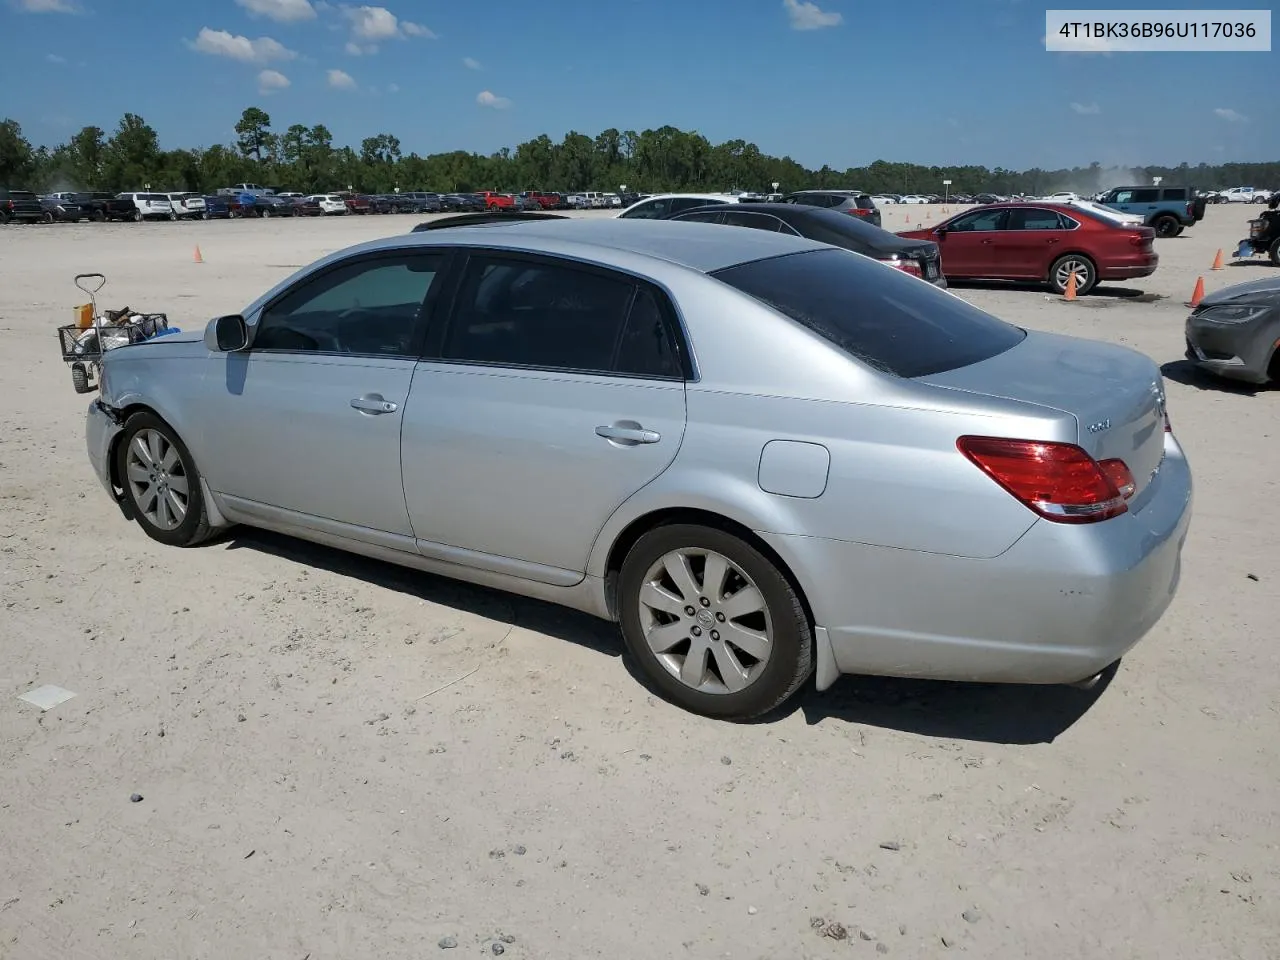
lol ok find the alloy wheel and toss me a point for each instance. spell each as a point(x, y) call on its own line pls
point(705, 621)
point(1069, 265)
point(157, 479)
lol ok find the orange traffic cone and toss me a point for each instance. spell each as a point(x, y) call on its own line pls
point(1070, 292)
point(1198, 294)
point(198, 258)
point(1217, 261)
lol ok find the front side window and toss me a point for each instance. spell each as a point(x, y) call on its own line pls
point(528, 313)
point(370, 307)
point(886, 319)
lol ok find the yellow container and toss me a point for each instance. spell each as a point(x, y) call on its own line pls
point(84, 316)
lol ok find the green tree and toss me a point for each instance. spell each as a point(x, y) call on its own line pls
point(254, 132)
point(17, 159)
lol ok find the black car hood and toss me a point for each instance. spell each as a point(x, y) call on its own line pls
point(1254, 291)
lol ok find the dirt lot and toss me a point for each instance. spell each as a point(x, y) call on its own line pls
point(340, 759)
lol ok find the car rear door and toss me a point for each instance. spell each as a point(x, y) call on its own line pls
point(553, 392)
point(1033, 240)
point(308, 419)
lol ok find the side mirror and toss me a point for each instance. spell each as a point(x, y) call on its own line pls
point(227, 334)
point(940, 232)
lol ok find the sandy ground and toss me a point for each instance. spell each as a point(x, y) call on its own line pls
point(312, 788)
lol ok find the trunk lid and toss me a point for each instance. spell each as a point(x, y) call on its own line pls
point(1115, 394)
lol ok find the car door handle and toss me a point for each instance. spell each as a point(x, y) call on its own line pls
point(1053, 239)
point(373, 404)
point(626, 434)
point(988, 240)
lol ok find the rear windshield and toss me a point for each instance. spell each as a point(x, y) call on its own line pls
point(887, 319)
point(22, 195)
point(866, 203)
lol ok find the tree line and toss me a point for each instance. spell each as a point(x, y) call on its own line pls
point(667, 159)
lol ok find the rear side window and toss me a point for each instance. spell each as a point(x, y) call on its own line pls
point(865, 203)
point(1175, 193)
point(887, 319)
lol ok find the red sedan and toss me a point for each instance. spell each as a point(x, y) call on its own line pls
point(1043, 242)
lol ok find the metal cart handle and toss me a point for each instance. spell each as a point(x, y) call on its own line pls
point(102, 282)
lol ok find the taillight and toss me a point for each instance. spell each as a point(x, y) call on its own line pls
point(1168, 427)
point(906, 266)
point(1057, 481)
point(859, 212)
point(1137, 239)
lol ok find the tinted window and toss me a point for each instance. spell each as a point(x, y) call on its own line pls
point(980, 220)
point(1035, 219)
point(1175, 193)
point(1145, 196)
point(756, 220)
point(647, 349)
point(1122, 196)
point(705, 216)
point(652, 210)
point(522, 313)
point(889, 320)
point(688, 203)
point(367, 307)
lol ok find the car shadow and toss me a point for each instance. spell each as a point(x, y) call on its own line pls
point(1189, 375)
point(994, 713)
point(1253, 263)
point(1101, 290)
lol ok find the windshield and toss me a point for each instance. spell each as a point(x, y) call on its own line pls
point(889, 320)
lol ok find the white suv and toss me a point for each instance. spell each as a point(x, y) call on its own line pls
point(668, 204)
point(1246, 195)
point(187, 204)
point(150, 206)
point(329, 203)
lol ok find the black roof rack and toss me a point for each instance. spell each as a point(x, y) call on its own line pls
point(479, 219)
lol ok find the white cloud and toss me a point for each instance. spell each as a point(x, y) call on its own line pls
point(220, 43)
point(54, 58)
point(1086, 109)
point(282, 11)
point(341, 80)
point(393, 88)
point(471, 63)
point(269, 81)
point(808, 16)
point(46, 6)
point(372, 25)
point(1231, 116)
point(487, 98)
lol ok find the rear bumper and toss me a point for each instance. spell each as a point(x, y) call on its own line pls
point(1061, 604)
point(1141, 265)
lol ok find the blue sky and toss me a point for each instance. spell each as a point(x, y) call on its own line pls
point(836, 81)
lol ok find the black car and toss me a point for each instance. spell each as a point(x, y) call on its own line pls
point(20, 206)
point(61, 211)
point(461, 203)
point(919, 258)
point(850, 202)
point(1234, 332)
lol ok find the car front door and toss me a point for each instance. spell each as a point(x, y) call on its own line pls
point(1033, 240)
point(555, 391)
point(308, 419)
point(968, 246)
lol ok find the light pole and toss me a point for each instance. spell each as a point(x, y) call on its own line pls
point(946, 191)
point(622, 189)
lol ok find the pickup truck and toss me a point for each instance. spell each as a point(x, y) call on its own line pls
point(255, 189)
point(1167, 210)
point(20, 206)
point(497, 201)
point(99, 205)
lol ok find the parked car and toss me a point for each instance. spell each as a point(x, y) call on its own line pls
point(1167, 210)
point(100, 205)
point(1045, 243)
point(461, 203)
point(19, 206)
point(151, 206)
point(1246, 195)
point(356, 202)
point(916, 257)
point(496, 201)
point(187, 205)
point(1235, 332)
point(852, 202)
point(767, 458)
point(61, 211)
point(664, 205)
point(217, 207)
point(256, 189)
point(424, 202)
point(331, 204)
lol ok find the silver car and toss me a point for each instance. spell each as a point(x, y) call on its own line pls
point(763, 456)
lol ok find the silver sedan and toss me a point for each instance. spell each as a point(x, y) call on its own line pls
point(765, 457)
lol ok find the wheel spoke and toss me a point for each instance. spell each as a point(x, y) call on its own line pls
point(141, 451)
point(137, 472)
point(745, 601)
point(751, 642)
point(147, 500)
point(663, 638)
point(164, 517)
point(713, 576)
point(657, 598)
point(677, 567)
point(732, 672)
point(176, 506)
point(694, 670)
point(170, 459)
point(155, 446)
point(178, 484)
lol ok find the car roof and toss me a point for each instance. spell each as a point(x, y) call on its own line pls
point(703, 247)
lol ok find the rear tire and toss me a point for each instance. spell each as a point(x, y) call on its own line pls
point(1166, 226)
point(1077, 263)
point(161, 483)
point(47, 217)
point(99, 216)
point(1274, 251)
point(137, 216)
point(768, 617)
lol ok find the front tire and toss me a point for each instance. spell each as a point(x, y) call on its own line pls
point(1166, 226)
point(161, 483)
point(745, 648)
point(1077, 263)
